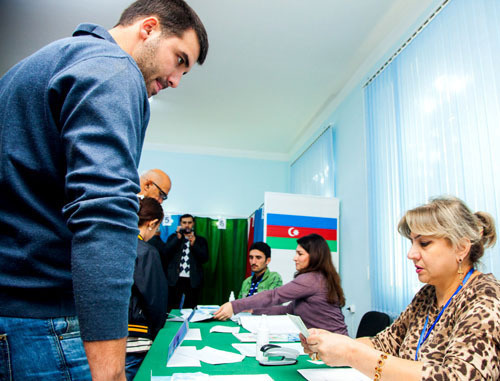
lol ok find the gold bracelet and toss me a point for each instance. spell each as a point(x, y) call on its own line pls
point(380, 364)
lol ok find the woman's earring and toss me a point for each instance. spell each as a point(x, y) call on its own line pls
point(150, 228)
point(460, 271)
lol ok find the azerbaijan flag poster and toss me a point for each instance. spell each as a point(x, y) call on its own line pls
point(288, 217)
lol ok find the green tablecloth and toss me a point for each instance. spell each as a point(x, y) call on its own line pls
point(156, 358)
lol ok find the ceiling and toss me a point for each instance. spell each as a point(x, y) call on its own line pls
point(274, 68)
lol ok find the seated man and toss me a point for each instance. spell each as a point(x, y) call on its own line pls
point(262, 279)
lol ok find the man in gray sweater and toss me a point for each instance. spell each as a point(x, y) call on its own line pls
point(74, 116)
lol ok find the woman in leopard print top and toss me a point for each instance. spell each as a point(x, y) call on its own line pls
point(463, 343)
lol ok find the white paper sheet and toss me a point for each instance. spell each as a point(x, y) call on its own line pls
point(277, 324)
point(333, 374)
point(184, 356)
point(236, 318)
point(216, 356)
point(248, 337)
point(202, 377)
point(316, 362)
point(193, 334)
point(198, 376)
point(208, 308)
point(185, 312)
point(224, 329)
point(242, 377)
point(297, 321)
point(249, 350)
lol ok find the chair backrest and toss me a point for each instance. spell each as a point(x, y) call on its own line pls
point(372, 323)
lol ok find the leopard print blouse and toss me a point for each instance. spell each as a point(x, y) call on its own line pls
point(465, 342)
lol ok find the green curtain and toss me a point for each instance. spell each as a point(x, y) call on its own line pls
point(225, 270)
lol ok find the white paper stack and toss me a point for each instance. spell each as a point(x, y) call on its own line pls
point(225, 329)
point(277, 324)
point(248, 350)
point(184, 356)
point(198, 316)
point(248, 337)
point(216, 356)
point(205, 377)
point(190, 357)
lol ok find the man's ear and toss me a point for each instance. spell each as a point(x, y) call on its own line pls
point(148, 26)
point(153, 223)
point(268, 260)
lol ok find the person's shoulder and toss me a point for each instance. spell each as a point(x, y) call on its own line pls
point(274, 274)
point(145, 248)
point(485, 286)
point(480, 303)
point(247, 279)
point(201, 238)
point(487, 279)
point(93, 52)
point(156, 240)
point(96, 38)
point(84, 45)
point(311, 276)
point(425, 293)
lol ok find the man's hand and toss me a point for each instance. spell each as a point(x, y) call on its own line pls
point(224, 312)
point(191, 238)
point(106, 359)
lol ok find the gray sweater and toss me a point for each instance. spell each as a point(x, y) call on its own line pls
point(308, 296)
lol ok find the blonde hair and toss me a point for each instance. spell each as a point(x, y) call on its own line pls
point(449, 218)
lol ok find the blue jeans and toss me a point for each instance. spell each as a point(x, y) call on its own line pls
point(133, 363)
point(42, 349)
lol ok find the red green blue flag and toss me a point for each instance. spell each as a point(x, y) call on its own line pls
point(284, 229)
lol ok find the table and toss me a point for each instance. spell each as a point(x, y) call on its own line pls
point(156, 358)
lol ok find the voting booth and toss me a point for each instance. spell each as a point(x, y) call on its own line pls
point(287, 217)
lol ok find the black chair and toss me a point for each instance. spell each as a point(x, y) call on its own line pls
point(372, 323)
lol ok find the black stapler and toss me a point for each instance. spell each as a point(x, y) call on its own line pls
point(276, 355)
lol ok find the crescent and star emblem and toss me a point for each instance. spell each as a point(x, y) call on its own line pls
point(292, 232)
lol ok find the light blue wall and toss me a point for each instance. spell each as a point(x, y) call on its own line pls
point(350, 154)
point(209, 185)
point(351, 189)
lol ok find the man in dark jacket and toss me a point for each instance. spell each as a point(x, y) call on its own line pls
point(186, 253)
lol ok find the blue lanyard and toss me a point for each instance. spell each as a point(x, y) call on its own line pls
point(254, 286)
point(424, 335)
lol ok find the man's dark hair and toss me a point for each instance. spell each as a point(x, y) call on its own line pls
point(186, 216)
point(175, 18)
point(262, 246)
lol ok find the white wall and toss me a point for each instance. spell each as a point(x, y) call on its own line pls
point(210, 185)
